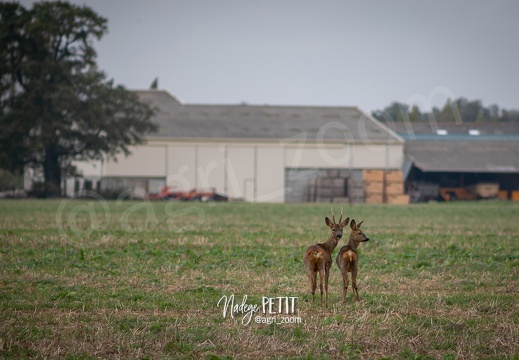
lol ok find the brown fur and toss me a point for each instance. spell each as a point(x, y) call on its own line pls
point(348, 259)
point(318, 257)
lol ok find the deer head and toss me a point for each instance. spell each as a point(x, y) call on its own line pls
point(336, 227)
point(356, 233)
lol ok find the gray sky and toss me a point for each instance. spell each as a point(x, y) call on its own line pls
point(299, 52)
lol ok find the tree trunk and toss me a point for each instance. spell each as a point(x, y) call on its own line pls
point(52, 174)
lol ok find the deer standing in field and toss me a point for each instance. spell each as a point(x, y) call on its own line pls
point(348, 258)
point(318, 257)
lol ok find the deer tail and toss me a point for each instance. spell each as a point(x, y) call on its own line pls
point(349, 255)
point(317, 254)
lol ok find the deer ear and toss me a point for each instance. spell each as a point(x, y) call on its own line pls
point(345, 222)
point(360, 224)
point(353, 225)
point(328, 222)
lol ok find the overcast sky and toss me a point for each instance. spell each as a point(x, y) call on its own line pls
point(320, 52)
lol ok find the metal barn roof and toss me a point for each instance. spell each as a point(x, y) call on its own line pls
point(474, 155)
point(184, 121)
point(427, 129)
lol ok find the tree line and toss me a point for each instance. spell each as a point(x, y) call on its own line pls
point(453, 111)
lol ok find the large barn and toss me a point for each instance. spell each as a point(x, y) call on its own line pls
point(255, 153)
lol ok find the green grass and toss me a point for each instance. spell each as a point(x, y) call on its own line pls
point(95, 279)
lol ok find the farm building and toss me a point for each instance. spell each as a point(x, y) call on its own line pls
point(255, 153)
point(464, 161)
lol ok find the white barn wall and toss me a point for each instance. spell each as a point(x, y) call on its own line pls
point(378, 156)
point(253, 171)
point(240, 171)
point(354, 156)
point(145, 161)
point(210, 167)
point(192, 165)
point(395, 156)
point(90, 169)
point(180, 174)
point(369, 157)
point(271, 174)
point(229, 168)
point(313, 156)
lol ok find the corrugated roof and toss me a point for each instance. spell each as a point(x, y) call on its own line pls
point(184, 121)
point(475, 155)
point(412, 129)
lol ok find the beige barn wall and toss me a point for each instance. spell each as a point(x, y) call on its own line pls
point(240, 171)
point(90, 169)
point(395, 156)
point(180, 168)
point(252, 171)
point(354, 156)
point(211, 167)
point(370, 156)
point(145, 161)
point(192, 165)
point(271, 174)
point(314, 156)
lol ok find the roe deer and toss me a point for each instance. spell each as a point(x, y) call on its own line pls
point(348, 258)
point(318, 257)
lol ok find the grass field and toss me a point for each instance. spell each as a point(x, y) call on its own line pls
point(96, 279)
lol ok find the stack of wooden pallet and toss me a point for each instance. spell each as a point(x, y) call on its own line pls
point(384, 187)
point(373, 186)
point(394, 188)
point(328, 189)
point(356, 191)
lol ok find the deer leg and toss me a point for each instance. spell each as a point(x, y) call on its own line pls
point(321, 278)
point(326, 277)
point(312, 278)
point(345, 284)
point(313, 283)
point(314, 286)
point(354, 282)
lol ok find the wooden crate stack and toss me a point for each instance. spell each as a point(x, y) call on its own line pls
point(394, 188)
point(502, 194)
point(328, 189)
point(356, 191)
point(384, 187)
point(373, 186)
